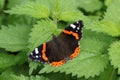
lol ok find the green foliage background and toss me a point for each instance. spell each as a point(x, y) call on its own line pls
point(25, 24)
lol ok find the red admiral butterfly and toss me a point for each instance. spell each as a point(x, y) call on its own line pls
point(61, 48)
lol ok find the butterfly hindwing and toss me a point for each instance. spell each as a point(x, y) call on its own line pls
point(61, 48)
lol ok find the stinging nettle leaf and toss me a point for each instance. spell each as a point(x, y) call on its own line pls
point(114, 53)
point(1, 4)
point(110, 28)
point(110, 24)
point(37, 77)
point(9, 75)
point(21, 77)
point(87, 42)
point(89, 5)
point(41, 32)
point(71, 16)
point(113, 12)
point(33, 66)
point(63, 9)
point(108, 74)
point(103, 26)
point(13, 3)
point(67, 5)
point(14, 38)
point(111, 20)
point(32, 9)
point(6, 60)
point(108, 2)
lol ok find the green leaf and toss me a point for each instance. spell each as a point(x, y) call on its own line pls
point(65, 10)
point(1, 4)
point(57, 9)
point(110, 24)
point(63, 5)
point(92, 48)
point(59, 76)
point(41, 32)
point(21, 57)
point(113, 13)
point(21, 77)
point(110, 28)
point(66, 5)
point(1, 20)
point(108, 2)
point(13, 3)
point(104, 26)
point(38, 78)
point(8, 75)
point(111, 19)
point(71, 16)
point(91, 78)
point(18, 69)
point(103, 38)
point(32, 9)
point(95, 25)
point(6, 60)
point(88, 63)
point(108, 74)
point(89, 5)
point(14, 38)
point(114, 55)
point(17, 19)
point(33, 66)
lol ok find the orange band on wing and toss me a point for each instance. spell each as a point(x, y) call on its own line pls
point(43, 52)
point(59, 63)
point(71, 33)
point(76, 52)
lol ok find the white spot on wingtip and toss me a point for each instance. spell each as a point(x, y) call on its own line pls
point(36, 50)
point(78, 28)
point(36, 56)
point(40, 56)
point(31, 53)
point(73, 26)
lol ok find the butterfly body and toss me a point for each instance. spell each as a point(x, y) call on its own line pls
point(61, 48)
